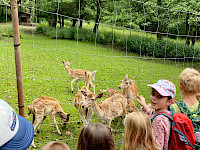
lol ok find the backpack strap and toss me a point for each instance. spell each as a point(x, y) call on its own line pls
point(164, 114)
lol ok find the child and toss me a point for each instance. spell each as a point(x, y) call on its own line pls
point(162, 95)
point(189, 84)
point(96, 136)
point(138, 132)
point(55, 146)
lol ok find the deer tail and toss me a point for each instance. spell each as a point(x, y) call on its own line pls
point(93, 74)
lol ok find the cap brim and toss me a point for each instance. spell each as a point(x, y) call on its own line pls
point(23, 138)
point(159, 90)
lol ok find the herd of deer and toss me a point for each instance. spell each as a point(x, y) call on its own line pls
point(115, 105)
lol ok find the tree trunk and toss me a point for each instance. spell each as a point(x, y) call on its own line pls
point(59, 20)
point(74, 22)
point(159, 35)
point(2, 8)
point(187, 42)
point(81, 23)
point(195, 36)
point(97, 16)
point(63, 19)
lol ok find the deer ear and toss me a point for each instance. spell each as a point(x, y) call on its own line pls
point(132, 77)
point(84, 93)
point(99, 95)
point(126, 76)
point(70, 62)
point(63, 62)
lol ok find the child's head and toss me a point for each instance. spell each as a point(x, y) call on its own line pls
point(138, 132)
point(162, 95)
point(55, 146)
point(189, 81)
point(96, 136)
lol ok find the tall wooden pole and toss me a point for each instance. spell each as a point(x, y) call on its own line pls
point(16, 37)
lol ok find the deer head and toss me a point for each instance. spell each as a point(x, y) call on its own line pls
point(90, 99)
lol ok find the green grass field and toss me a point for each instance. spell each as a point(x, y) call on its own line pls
point(44, 75)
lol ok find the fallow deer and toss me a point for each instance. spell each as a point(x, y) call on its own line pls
point(129, 91)
point(110, 108)
point(43, 106)
point(129, 88)
point(79, 74)
point(84, 112)
point(111, 92)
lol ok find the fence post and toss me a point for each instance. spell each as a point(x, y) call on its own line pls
point(16, 37)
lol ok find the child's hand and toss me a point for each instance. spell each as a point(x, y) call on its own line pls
point(141, 101)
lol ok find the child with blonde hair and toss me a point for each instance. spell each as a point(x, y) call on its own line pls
point(55, 145)
point(96, 136)
point(162, 96)
point(138, 132)
point(189, 84)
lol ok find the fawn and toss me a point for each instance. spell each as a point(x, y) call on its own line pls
point(129, 91)
point(84, 112)
point(43, 106)
point(110, 108)
point(129, 88)
point(79, 74)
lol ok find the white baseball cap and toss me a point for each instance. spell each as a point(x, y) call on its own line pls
point(16, 132)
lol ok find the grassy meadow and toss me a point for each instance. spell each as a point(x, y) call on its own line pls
point(44, 75)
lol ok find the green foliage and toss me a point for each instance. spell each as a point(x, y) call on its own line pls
point(142, 45)
point(6, 31)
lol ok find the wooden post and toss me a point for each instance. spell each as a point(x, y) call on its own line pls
point(16, 37)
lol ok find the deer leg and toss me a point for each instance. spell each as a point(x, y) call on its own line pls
point(109, 121)
point(72, 85)
point(77, 84)
point(33, 144)
point(119, 120)
point(54, 120)
point(37, 121)
point(41, 123)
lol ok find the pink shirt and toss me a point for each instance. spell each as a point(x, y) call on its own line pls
point(161, 128)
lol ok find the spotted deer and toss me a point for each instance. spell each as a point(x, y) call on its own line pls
point(129, 91)
point(129, 88)
point(43, 106)
point(79, 74)
point(84, 113)
point(110, 108)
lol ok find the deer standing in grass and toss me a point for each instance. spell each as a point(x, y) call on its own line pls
point(79, 74)
point(43, 106)
point(110, 108)
point(84, 112)
point(129, 91)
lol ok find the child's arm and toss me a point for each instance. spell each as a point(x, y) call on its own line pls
point(145, 107)
point(142, 101)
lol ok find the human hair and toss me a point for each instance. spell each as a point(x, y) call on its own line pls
point(190, 80)
point(138, 132)
point(55, 146)
point(96, 136)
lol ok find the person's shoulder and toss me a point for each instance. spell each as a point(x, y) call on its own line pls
point(175, 107)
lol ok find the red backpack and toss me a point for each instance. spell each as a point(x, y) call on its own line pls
point(182, 132)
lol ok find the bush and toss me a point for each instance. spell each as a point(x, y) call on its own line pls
point(145, 46)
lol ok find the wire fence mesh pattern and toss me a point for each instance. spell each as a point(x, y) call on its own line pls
point(148, 40)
